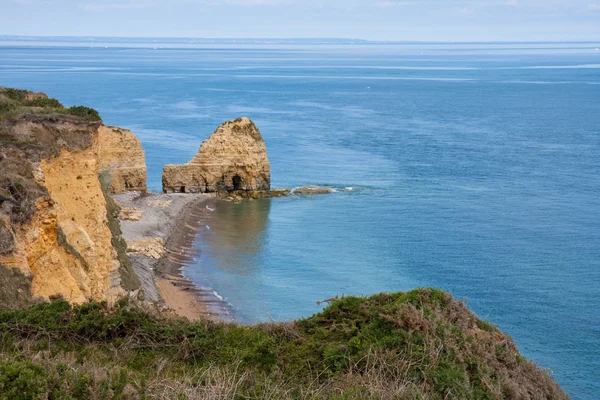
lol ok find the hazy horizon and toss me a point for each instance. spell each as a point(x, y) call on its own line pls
point(284, 39)
point(379, 20)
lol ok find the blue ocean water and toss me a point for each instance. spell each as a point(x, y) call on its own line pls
point(474, 168)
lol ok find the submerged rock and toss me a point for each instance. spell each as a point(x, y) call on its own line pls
point(234, 158)
point(313, 190)
point(260, 194)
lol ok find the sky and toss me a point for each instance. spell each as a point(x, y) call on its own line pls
point(393, 20)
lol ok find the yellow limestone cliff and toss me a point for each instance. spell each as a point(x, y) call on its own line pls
point(234, 158)
point(121, 160)
point(59, 231)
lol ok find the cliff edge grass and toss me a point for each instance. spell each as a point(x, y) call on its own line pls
point(422, 344)
point(15, 102)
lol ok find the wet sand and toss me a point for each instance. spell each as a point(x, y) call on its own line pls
point(175, 219)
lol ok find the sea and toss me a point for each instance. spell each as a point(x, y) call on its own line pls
point(471, 167)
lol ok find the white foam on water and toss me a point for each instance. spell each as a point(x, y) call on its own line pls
point(550, 82)
point(218, 296)
point(336, 67)
point(580, 66)
point(352, 77)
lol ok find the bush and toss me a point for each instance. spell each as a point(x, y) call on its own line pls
point(6, 108)
point(15, 94)
point(46, 103)
point(86, 113)
point(22, 381)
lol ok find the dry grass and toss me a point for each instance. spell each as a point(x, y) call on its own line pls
point(420, 344)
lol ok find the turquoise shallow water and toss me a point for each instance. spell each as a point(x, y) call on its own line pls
point(475, 168)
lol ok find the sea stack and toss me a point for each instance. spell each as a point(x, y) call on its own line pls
point(234, 158)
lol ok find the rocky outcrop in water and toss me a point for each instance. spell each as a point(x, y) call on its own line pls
point(309, 190)
point(234, 158)
point(59, 231)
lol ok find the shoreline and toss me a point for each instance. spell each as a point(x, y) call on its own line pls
point(160, 230)
point(180, 293)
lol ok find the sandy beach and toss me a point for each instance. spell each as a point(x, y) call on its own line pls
point(160, 230)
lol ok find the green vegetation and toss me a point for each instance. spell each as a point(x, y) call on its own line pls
point(421, 344)
point(15, 102)
point(86, 113)
point(15, 94)
point(46, 103)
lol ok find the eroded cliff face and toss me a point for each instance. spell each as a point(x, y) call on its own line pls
point(121, 161)
point(39, 255)
point(81, 211)
point(59, 232)
point(234, 158)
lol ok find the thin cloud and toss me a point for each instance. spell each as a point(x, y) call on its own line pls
point(125, 5)
point(141, 4)
point(390, 3)
point(456, 4)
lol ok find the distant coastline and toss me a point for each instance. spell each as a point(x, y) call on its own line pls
point(153, 41)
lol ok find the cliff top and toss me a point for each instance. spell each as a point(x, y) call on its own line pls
point(419, 344)
point(15, 102)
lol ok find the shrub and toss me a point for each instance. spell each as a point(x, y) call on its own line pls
point(15, 94)
point(46, 103)
point(6, 108)
point(22, 381)
point(86, 113)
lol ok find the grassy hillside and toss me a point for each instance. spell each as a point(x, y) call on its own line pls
point(15, 102)
point(420, 344)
